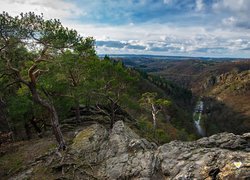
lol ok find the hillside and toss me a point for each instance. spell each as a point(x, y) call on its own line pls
point(223, 85)
point(187, 72)
point(227, 104)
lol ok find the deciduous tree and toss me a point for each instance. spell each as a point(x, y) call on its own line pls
point(150, 102)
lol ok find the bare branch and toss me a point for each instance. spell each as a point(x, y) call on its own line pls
point(17, 72)
point(11, 67)
point(41, 60)
point(36, 39)
point(10, 84)
point(2, 47)
point(102, 111)
point(42, 57)
point(5, 40)
point(31, 73)
point(72, 78)
point(5, 74)
point(38, 72)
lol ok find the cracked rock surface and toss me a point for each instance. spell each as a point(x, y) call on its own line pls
point(96, 153)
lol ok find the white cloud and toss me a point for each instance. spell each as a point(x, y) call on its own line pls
point(167, 39)
point(199, 5)
point(156, 38)
point(237, 11)
point(229, 21)
point(241, 6)
point(167, 1)
point(59, 9)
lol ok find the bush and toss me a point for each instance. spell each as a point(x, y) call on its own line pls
point(162, 136)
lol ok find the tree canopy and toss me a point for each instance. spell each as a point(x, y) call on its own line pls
point(48, 71)
point(29, 45)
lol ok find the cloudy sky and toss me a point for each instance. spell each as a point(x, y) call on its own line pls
point(216, 28)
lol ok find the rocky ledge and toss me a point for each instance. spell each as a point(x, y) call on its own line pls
point(96, 153)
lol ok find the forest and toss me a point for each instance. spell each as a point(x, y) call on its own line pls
point(51, 76)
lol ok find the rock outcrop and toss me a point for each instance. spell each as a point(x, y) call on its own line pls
point(234, 82)
point(96, 153)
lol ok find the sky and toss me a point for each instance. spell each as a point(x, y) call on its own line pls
point(209, 28)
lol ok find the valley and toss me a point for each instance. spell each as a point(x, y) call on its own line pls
point(222, 84)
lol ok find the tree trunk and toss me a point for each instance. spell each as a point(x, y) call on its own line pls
point(54, 117)
point(37, 129)
point(56, 128)
point(27, 131)
point(154, 118)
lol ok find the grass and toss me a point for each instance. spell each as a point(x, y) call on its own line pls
point(18, 155)
point(11, 163)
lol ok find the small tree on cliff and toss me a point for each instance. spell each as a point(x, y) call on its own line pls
point(150, 102)
point(42, 41)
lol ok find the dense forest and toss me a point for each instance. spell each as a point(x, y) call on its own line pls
point(52, 78)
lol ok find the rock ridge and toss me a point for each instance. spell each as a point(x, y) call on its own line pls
point(97, 153)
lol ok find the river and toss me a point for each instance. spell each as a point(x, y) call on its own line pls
point(197, 117)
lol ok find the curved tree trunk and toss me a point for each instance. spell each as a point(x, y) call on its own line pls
point(54, 117)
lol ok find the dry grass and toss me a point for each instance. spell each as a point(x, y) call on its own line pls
point(16, 156)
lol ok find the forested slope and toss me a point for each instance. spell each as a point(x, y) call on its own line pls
point(50, 75)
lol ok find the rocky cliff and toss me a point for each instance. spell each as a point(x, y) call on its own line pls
point(234, 82)
point(226, 102)
point(96, 153)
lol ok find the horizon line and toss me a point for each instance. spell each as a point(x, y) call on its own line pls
point(181, 56)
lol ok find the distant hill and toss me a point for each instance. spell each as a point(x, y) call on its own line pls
point(185, 71)
point(162, 57)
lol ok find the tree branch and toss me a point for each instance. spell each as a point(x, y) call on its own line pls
point(31, 73)
point(10, 84)
point(41, 57)
point(102, 111)
point(17, 72)
point(5, 74)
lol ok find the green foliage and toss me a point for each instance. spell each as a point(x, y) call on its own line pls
point(20, 107)
point(148, 99)
point(162, 136)
point(145, 126)
point(171, 89)
point(113, 81)
point(106, 58)
point(68, 74)
point(183, 135)
point(147, 130)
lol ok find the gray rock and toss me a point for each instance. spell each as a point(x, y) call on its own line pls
point(122, 154)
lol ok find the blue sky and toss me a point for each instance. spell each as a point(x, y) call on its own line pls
point(217, 28)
